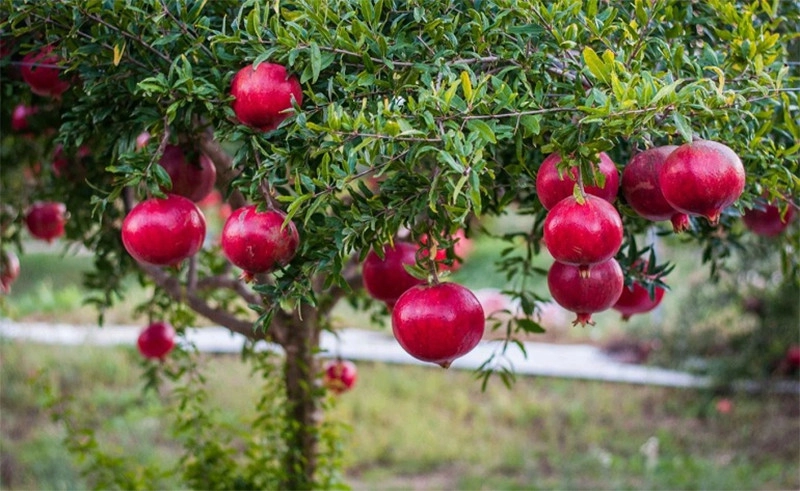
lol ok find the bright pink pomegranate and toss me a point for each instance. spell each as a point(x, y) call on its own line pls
point(642, 190)
point(767, 221)
point(156, 340)
point(581, 234)
point(41, 72)
point(438, 323)
point(339, 375)
point(164, 231)
point(192, 177)
point(257, 241)
point(635, 299)
point(551, 188)
point(142, 139)
point(702, 178)
point(386, 279)
point(20, 115)
point(586, 294)
point(45, 220)
point(263, 96)
point(9, 270)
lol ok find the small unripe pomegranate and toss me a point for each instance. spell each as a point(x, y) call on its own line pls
point(45, 220)
point(642, 191)
point(386, 279)
point(702, 178)
point(586, 294)
point(257, 241)
point(9, 270)
point(193, 178)
point(438, 323)
point(585, 233)
point(339, 375)
point(40, 71)
point(552, 188)
point(164, 231)
point(156, 340)
point(635, 299)
point(768, 221)
point(263, 96)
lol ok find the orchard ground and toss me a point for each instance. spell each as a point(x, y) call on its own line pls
point(411, 427)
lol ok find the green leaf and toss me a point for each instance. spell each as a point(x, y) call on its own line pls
point(316, 61)
point(595, 64)
point(466, 86)
point(484, 129)
point(683, 126)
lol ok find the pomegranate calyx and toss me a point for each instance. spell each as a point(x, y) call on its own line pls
point(583, 318)
point(680, 222)
point(446, 364)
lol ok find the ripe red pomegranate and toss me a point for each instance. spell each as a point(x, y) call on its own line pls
point(635, 299)
point(581, 234)
point(192, 178)
point(340, 375)
point(551, 188)
point(263, 96)
point(46, 220)
point(767, 221)
point(702, 178)
point(386, 279)
point(793, 357)
point(438, 323)
point(9, 270)
point(462, 246)
point(63, 165)
point(156, 340)
point(164, 231)
point(41, 72)
point(642, 190)
point(20, 115)
point(257, 241)
point(586, 295)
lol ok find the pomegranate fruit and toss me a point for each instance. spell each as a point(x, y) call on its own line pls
point(142, 139)
point(387, 279)
point(156, 340)
point(45, 220)
point(642, 191)
point(164, 231)
point(41, 72)
point(702, 178)
point(635, 299)
point(263, 95)
point(9, 270)
point(552, 188)
point(438, 323)
point(581, 234)
point(191, 178)
point(339, 375)
point(63, 165)
point(586, 294)
point(767, 221)
point(462, 246)
point(257, 241)
point(20, 115)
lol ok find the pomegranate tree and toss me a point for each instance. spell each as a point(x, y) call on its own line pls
point(767, 220)
point(438, 323)
point(552, 187)
point(586, 294)
point(339, 375)
point(45, 220)
point(156, 340)
point(41, 71)
point(387, 279)
point(9, 270)
point(192, 174)
point(257, 241)
point(263, 95)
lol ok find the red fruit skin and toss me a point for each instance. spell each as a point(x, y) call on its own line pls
point(263, 97)
point(193, 180)
point(551, 188)
point(767, 222)
point(256, 241)
point(635, 299)
point(142, 139)
point(9, 270)
point(583, 234)
point(39, 72)
point(702, 178)
point(793, 357)
point(45, 220)
point(586, 295)
point(386, 279)
point(165, 231)
point(156, 340)
point(19, 117)
point(340, 376)
point(438, 323)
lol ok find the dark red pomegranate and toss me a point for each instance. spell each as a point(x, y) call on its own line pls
point(583, 233)
point(41, 72)
point(386, 279)
point(9, 270)
point(339, 375)
point(192, 178)
point(767, 220)
point(642, 190)
point(20, 115)
point(46, 220)
point(164, 231)
point(70, 166)
point(156, 340)
point(438, 323)
point(551, 188)
point(257, 241)
point(263, 96)
point(586, 294)
point(702, 178)
point(635, 299)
